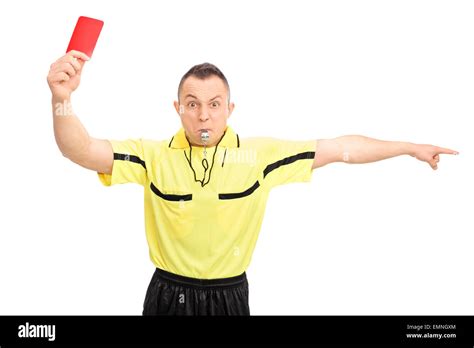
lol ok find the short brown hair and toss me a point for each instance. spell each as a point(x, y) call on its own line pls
point(203, 71)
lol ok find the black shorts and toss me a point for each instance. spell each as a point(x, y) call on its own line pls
point(173, 294)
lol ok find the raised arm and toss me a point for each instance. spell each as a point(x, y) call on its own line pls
point(71, 137)
point(362, 149)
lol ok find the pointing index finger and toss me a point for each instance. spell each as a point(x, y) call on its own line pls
point(447, 151)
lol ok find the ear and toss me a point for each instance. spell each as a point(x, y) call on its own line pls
point(176, 106)
point(231, 109)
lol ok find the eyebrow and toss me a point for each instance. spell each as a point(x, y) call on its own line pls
point(192, 96)
point(216, 97)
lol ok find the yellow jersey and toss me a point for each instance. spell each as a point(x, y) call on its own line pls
point(204, 206)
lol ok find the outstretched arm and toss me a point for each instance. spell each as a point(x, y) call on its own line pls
point(362, 149)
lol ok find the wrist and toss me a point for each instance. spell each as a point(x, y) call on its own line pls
point(409, 149)
point(61, 98)
point(62, 105)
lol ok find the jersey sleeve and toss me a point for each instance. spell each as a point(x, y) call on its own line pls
point(129, 163)
point(287, 161)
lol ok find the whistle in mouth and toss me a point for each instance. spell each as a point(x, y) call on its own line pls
point(204, 137)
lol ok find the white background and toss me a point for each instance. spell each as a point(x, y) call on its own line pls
point(391, 237)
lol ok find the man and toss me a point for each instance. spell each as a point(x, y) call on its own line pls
point(205, 188)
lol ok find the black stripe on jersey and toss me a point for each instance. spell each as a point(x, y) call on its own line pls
point(224, 157)
point(288, 160)
point(131, 158)
point(169, 197)
point(247, 192)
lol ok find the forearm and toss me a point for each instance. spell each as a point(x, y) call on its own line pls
point(362, 149)
point(71, 136)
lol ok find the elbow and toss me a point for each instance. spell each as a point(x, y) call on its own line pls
point(76, 154)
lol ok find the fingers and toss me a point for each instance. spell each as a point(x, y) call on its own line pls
point(58, 69)
point(78, 55)
point(58, 77)
point(76, 65)
point(73, 58)
point(440, 150)
point(433, 164)
point(67, 68)
point(443, 150)
point(70, 64)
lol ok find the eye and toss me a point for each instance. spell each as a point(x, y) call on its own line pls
point(192, 105)
point(215, 104)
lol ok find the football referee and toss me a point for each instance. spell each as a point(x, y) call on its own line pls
point(204, 173)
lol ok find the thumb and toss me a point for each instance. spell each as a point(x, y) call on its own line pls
point(79, 60)
point(81, 66)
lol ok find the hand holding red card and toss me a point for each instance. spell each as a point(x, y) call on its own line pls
point(65, 74)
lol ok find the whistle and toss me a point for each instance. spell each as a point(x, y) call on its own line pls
point(204, 137)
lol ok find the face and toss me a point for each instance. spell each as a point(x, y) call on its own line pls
point(203, 106)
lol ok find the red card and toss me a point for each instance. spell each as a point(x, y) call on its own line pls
point(85, 35)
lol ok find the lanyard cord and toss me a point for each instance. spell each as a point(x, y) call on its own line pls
point(205, 164)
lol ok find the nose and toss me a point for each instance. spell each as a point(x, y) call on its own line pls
point(204, 115)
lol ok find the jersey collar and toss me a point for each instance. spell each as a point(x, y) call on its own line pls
point(230, 139)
